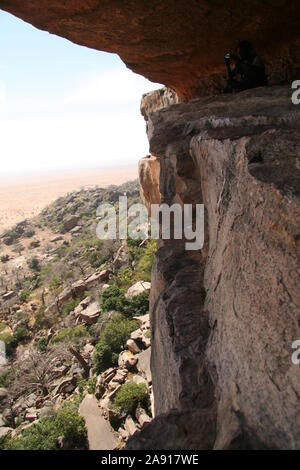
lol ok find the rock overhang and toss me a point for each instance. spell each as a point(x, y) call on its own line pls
point(177, 43)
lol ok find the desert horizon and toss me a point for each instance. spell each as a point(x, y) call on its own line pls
point(24, 197)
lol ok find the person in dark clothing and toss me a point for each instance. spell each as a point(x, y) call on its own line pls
point(248, 72)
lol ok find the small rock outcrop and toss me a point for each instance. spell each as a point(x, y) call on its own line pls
point(149, 173)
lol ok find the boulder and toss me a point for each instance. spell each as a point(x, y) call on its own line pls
point(143, 321)
point(8, 295)
point(67, 385)
point(142, 417)
point(123, 433)
point(138, 288)
point(132, 346)
point(138, 379)
point(76, 230)
point(56, 239)
point(46, 412)
point(31, 414)
point(108, 375)
point(97, 278)
point(88, 350)
point(91, 314)
point(120, 376)
point(127, 360)
point(64, 296)
point(70, 222)
point(130, 426)
point(137, 335)
point(78, 287)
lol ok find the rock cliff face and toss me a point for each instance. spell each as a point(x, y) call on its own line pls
point(180, 44)
point(224, 319)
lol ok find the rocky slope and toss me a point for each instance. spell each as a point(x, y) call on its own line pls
point(224, 319)
point(74, 321)
point(180, 44)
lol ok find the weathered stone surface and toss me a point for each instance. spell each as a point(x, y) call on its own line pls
point(132, 346)
point(90, 314)
point(142, 417)
point(96, 278)
point(149, 172)
point(8, 295)
point(156, 100)
point(138, 288)
point(66, 385)
point(70, 222)
point(127, 360)
point(180, 44)
point(130, 426)
point(224, 319)
point(143, 364)
point(177, 431)
point(78, 287)
point(100, 434)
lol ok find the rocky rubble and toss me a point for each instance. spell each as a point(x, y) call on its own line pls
point(51, 333)
point(133, 365)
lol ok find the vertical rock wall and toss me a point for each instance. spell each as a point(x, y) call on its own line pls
point(224, 319)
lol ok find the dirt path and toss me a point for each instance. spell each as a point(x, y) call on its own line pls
point(100, 434)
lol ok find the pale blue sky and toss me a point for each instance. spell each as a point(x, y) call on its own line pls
point(65, 106)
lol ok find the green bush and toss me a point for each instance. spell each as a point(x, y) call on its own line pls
point(34, 264)
point(55, 283)
point(4, 258)
point(42, 344)
point(21, 334)
point(12, 340)
point(24, 294)
point(9, 341)
point(40, 320)
point(4, 378)
point(44, 435)
point(3, 326)
point(113, 298)
point(70, 306)
point(111, 342)
point(70, 334)
point(146, 261)
point(130, 396)
point(92, 385)
point(139, 305)
point(125, 278)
